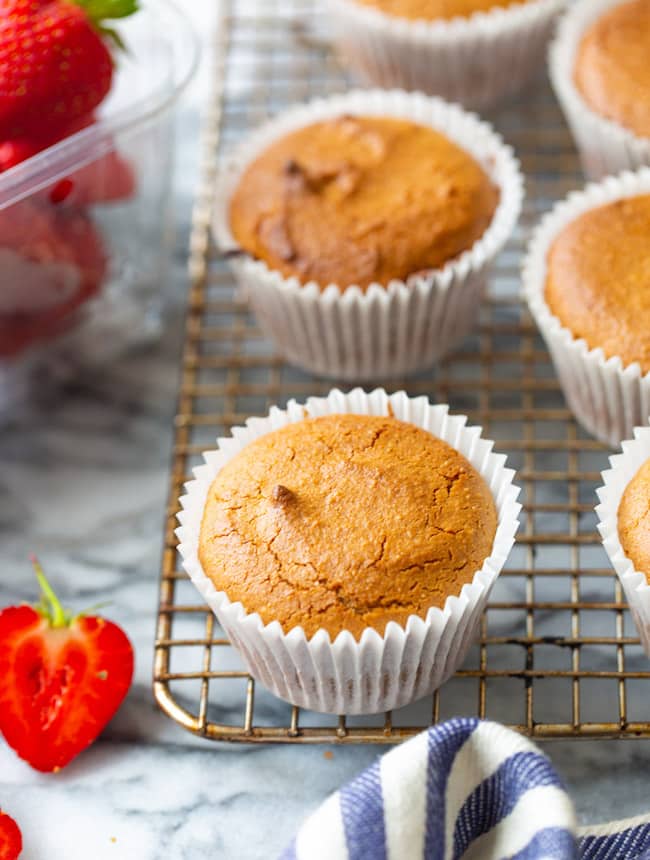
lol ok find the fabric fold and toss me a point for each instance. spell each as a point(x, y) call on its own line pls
point(464, 790)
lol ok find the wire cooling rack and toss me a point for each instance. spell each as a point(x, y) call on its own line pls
point(558, 655)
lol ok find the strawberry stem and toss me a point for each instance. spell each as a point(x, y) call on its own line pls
point(50, 603)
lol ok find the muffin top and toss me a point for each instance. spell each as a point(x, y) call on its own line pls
point(598, 282)
point(346, 522)
point(357, 200)
point(634, 520)
point(612, 70)
point(431, 10)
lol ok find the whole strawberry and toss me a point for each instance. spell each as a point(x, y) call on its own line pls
point(62, 678)
point(55, 62)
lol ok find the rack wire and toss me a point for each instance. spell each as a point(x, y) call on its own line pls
point(558, 656)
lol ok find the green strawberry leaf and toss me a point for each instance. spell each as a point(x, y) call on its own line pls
point(104, 10)
point(49, 605)
point(113, 36)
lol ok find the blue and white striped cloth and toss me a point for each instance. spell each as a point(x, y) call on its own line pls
point(465, 789)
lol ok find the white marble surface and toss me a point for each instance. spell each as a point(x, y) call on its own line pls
point(84, 485)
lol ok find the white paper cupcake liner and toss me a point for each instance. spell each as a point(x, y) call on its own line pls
point(605, 147)
point(476, 61)
point(635, 584)
point(378, 672)
point(608, 398)
point(387, 331)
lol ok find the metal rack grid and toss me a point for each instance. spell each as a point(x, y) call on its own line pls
point(558, 655)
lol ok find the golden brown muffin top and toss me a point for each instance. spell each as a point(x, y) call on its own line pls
point(612, 70)
point(346, 522)
point(634, 520)
point(357, 200)
point(431, 10)
point(598, 282)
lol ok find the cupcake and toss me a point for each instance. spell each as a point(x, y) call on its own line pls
point(348, 547)
point(624, 524)
point(362, 228)
point(634, 519)
point(587, 282)
point(601, 75)
point(476, 52)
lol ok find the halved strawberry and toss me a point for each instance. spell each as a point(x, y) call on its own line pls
point(62, 678)
point(11, 840)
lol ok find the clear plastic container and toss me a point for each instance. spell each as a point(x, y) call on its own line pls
point(85, 236)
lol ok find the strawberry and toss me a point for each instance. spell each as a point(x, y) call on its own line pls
point(15, 150)
point(51, 262)
point(62, 678)
point(11, 840)
point(55, 62)
point(108, 179)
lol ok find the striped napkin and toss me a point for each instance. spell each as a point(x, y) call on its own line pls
point(464, 789)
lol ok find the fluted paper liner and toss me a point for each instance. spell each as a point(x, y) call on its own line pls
point(378, 672)
point(387, 331)
point(624, 467)
point(608, 398)
point(477, 61)
point(605, 146)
